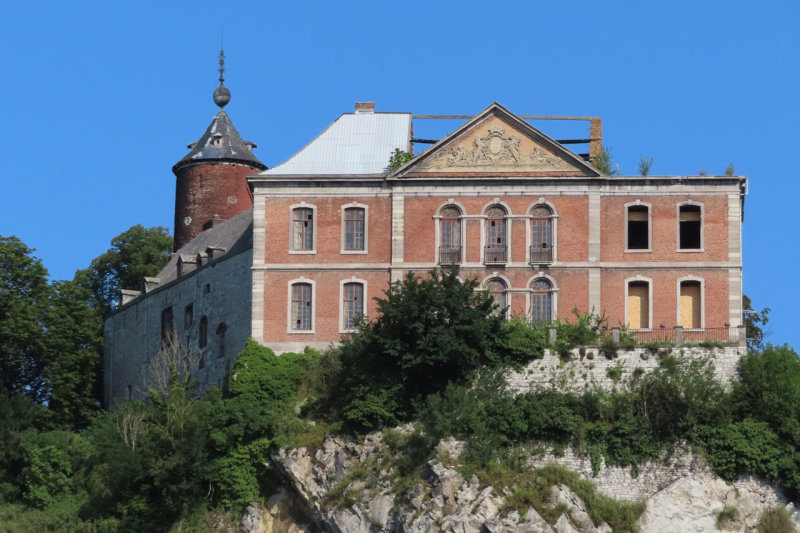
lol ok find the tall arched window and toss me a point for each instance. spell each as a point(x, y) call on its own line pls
point(354, 229)
point(450, 234)
point(541, 300)
point(690, 304)
point(221, 330)
point(541, 234)
point(352, 304)
point(496, 236)
point(639, 305)
point(302, 229)
point(301, 306)
point(497, 289)
point(690, 227)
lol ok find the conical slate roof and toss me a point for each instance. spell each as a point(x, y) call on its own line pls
point(221, 142)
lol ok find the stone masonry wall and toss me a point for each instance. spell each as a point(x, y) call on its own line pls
point(220, 291)
point(582, 372)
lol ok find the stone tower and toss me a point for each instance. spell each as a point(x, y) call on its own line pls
point(211, 183)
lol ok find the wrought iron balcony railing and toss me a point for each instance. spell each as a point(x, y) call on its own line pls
point(541, 255)
point(448, 256)
point(495, 254)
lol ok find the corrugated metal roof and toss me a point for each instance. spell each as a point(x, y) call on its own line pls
point(356, 143)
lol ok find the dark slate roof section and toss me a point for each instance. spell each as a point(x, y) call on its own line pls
point(235, 235)
point(230, 146)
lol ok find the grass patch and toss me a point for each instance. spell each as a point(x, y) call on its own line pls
point(727, 517)
point(776, 520)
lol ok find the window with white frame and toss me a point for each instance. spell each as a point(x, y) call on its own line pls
point(496, 236)
point(690, 227)
point(352, 304)
point(354, 229)
point(541, 234)
point(690, 304)
point(638, 227)
point(541, 300)
point(450, 235)
point(302, 229)
point(638, 305)
point(301, 310)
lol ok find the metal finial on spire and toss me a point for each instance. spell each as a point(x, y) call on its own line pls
point(222, 95)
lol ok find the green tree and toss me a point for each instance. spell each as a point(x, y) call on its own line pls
point(604, 163)
point(398, 159)
point(754, 322)
point(24, 298)
point(427, 333)
point(134, 254)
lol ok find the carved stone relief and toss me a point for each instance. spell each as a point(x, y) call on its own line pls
point(497, 150)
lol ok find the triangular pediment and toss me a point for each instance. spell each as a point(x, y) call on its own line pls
point(494, 143)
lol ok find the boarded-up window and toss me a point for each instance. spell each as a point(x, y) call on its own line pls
point(689, 227)
point(303, 229)
point(353, 304)
point(301, 306)
point(542, 301)
point(690, 304)
point(354, 228)
point(638, 305)
point(638, 228)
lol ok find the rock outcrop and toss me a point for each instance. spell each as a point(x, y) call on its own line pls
point(356, 488)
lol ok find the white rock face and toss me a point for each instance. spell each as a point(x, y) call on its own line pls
point(681, 495)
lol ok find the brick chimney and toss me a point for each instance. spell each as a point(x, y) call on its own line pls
point(595, 137)
point(365, 107)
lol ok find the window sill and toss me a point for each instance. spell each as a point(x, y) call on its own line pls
point(300, 331)
point(637, 251)
point(353, 252)
point(302, 252)
point(690, 250)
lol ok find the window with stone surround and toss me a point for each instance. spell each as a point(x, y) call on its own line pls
point(450, 235)
point(541, 300)
point(638, 305)
point(497, 290)
point(637, 227)
point(352, 304)
point(354, 229)
point(301, 310)
point(690, 227)
point(303, 226)
point(496, 250)
point(541, 235)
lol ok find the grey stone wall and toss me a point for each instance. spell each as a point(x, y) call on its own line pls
point(589, 367)
point(219, 290)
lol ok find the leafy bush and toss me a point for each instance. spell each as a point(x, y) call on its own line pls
point(584, 331)
point(523, 341)
point(427, 333)
point(742, 447)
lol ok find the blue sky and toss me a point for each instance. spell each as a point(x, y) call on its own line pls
point(101, 98)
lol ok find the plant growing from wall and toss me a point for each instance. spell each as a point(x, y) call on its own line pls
point(645, 164)
point(398, 159)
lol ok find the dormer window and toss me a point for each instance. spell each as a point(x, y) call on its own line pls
point(216, 140)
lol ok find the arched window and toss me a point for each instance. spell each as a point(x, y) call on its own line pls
point(541, 234)
point(638, 227)
point(352, 304)
point(690, 227)
point(354, 229)
point(541, 300)
point(450, 234)
point(302, 229)
point(301, 306)
point(203, 336)
point(221, 330)
point(639, 305)
point(497, 290)
point(496, 236)
point(690, 303)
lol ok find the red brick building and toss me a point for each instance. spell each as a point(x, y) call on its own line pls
point(537, 225)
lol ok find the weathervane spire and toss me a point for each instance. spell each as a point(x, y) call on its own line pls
point(222, 95)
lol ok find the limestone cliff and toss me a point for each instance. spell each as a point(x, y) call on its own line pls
point(350, 487)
